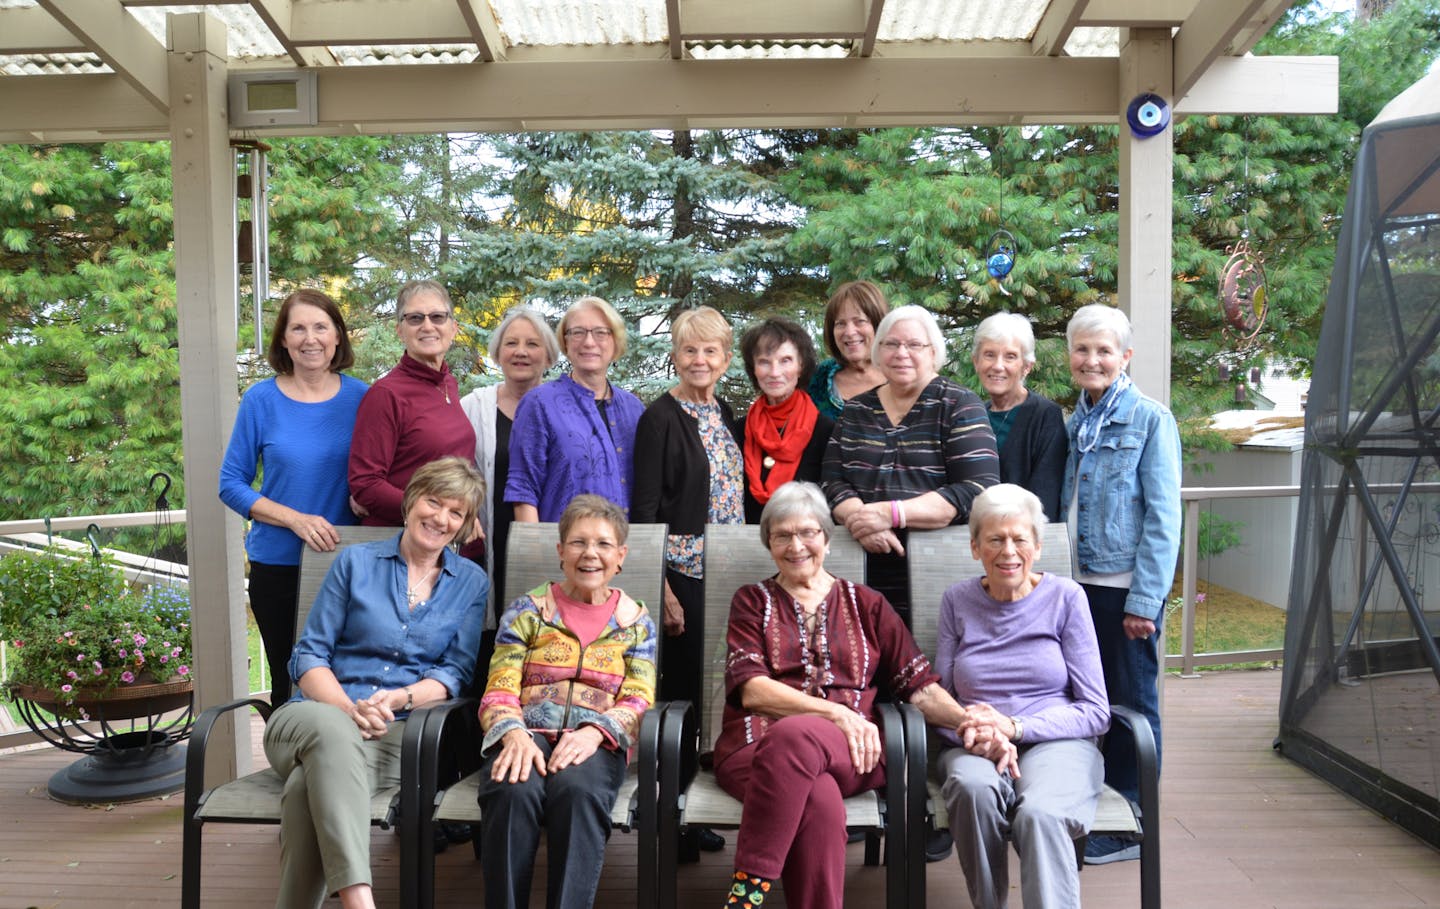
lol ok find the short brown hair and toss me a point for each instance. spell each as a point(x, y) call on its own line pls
point(276, 354)
point(866, 296)
point(449, 478)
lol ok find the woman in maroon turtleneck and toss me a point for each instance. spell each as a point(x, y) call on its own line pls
point(412, 415)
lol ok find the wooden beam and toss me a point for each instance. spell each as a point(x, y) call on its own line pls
point(663, 93)
point(675, 29)
point(276, 14)
point(1206, 35)
point(1138, 13)
point(872, 28)
point(767, 20)
point(359, 22)
point(484, 30)
point(1265, 85)
point(1059, 20)
point(1259, 26)
point(32, 30)
point(119, 40)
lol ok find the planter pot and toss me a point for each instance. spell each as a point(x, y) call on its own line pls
point(126, 702)
point(131, 739)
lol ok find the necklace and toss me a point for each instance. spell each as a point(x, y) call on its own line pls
point(412, 594)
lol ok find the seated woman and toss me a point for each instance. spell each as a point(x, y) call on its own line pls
point(395, 626)
point(1018, 649)
point(807, 651)
point(573, 672)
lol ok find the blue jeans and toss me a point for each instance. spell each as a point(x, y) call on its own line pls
point(1131, 679)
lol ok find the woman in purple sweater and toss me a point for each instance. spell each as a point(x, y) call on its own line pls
point(1018, 649)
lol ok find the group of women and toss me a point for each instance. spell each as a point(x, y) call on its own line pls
point(881, 444)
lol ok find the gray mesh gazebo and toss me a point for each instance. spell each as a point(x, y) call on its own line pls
point(1360, 703)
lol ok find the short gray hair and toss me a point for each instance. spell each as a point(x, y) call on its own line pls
point(1005, 327)
point(515, 314)
point(1096, 318)
point(911, 313)
point(414, 289)
point(1006, 500)
point(796, 499)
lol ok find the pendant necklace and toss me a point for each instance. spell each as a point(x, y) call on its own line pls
point(769, 462)
point(412, 594)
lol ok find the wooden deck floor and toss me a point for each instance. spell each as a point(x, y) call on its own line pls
point(1242, 829)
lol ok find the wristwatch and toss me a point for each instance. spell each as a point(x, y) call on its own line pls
point(410, 699)
point(1019, 729)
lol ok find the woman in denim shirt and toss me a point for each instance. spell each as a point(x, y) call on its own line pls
point(1122, 501)
point(395, 626)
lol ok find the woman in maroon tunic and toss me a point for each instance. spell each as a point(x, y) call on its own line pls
point(799, 733)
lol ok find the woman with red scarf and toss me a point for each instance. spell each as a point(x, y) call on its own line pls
point(785, 434)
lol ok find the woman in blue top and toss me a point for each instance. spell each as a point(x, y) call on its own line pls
point(1122, 498)
point(851, 314)
point(395, 626)
point(297, 426)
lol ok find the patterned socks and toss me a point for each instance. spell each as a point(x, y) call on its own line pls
point(748, 891)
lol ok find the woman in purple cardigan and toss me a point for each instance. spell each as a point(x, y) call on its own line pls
point(1018, 649)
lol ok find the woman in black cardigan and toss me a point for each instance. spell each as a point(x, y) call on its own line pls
point(783, 434)
point(1029, 429)
point(688, 472)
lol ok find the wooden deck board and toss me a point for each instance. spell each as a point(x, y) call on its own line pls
point(1242, 828)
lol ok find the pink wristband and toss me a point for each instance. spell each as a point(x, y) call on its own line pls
point(900, 506)
point(894, 513)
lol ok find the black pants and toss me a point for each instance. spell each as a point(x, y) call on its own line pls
point(274, 590)
point(572, 806)
point(682, 657)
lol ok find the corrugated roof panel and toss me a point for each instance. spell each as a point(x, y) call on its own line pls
point(1093, 42)
point(797, 50)
point(398, 54)
point(960, 20)
point(562, 22)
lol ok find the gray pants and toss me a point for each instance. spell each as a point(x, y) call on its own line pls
point(1051, 804)
point(330, 774)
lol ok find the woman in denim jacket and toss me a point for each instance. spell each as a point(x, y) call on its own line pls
point(1121, 498)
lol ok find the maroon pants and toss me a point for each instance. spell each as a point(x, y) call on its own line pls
point(793, 784)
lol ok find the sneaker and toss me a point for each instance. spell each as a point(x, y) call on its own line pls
point(938, 845)
point(708, 840)
point(1102, 850)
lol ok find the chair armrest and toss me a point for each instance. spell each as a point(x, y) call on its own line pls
point(917, 802)
point(200, 741)
point(452, 725)
point(1147, 764)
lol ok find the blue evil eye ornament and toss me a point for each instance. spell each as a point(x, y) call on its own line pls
point(1000, 254)
point(1148, 115)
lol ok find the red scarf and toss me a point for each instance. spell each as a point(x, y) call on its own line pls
point(797, 414)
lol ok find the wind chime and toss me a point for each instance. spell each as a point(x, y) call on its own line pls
point(1243, 297)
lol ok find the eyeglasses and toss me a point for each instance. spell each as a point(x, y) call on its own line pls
point(579, 334)
point(603, 547)
point(808, 535)
point(416, 319)
point(914, 347)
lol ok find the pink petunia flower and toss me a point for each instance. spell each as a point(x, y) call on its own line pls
point(127, 677)
point(67, 688)
point(183, 670)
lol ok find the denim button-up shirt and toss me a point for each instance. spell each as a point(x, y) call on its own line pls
point(362, 629)
point(1128, 510)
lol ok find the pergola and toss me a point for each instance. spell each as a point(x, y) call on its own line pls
point(94, 70)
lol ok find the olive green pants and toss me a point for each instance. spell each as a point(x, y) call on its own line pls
point(330, 774)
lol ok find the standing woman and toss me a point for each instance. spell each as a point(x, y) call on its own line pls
point(298, 427)
point(784, 433)
point(412, 415)
point(914, 452)
point(575, 434)
point(524, 348)
point(851, 315)
point(1122, 498)
point(1029, 429)
point(688, 472)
